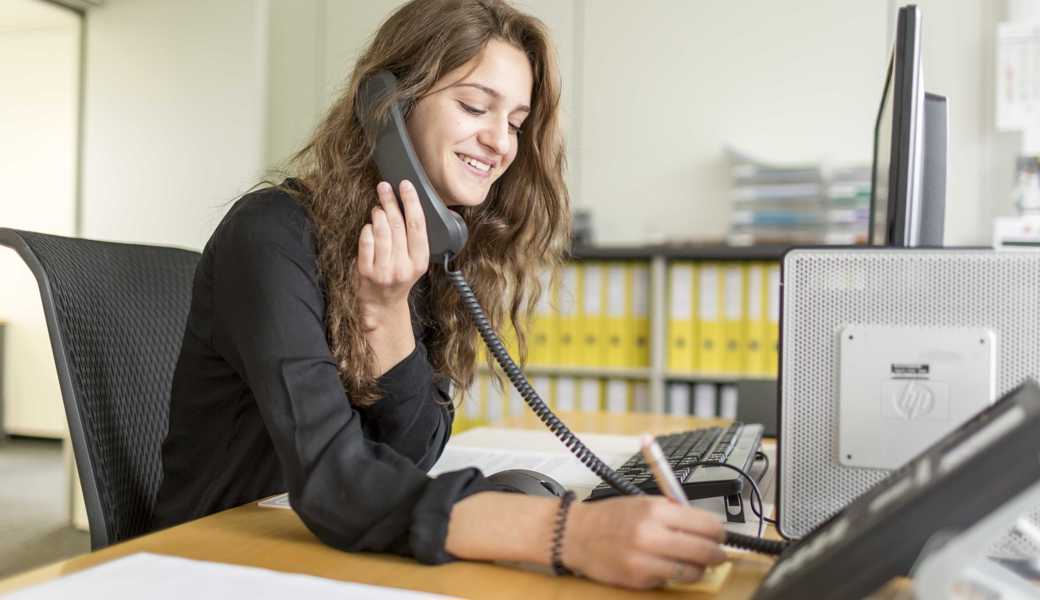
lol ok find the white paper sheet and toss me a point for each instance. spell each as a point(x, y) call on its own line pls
point(158, 577)
point(492, 449)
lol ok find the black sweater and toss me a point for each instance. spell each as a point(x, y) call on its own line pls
point(257, 406)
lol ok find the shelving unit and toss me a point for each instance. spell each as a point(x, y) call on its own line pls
point(658, 257)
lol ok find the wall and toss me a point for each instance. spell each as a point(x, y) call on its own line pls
point(667, 86)
point(39, 79)
point(958, 60)
point(651, 94)
point(174, 116)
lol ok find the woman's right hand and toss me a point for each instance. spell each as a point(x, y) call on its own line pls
point(641, 542)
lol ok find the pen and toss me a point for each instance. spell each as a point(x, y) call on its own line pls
point(663, 474)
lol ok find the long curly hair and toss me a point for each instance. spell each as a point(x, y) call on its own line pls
point(520, 230)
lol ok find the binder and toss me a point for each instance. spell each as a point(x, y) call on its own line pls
point(710, 358)
point(704, 399)
point(679, 399)
point(639, 351)
point(617, 392)
point(517, 406)
point(590, 315)
point(495, 400)
point(772, 349)
point(757, 320)
point(566, 393)
point(680, 323)
point(543, 384)
point(640, 391)
point(617, 314)
point(590, 394)
point(567, 330)
point(542, 337)
point(733, 319)
point(728, 401)
point(467, 413)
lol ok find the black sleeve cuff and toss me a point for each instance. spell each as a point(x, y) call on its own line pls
point(433, 511)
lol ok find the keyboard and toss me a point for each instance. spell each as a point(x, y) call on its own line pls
point(735, 445)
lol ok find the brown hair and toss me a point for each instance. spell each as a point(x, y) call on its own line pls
point(519, 230)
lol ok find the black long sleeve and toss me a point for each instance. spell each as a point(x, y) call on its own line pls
point(258, 408)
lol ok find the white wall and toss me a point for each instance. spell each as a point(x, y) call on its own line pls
point(174, 116)
point(653, 92)
point(958, 61)
point(669, 84)
point(39, 79)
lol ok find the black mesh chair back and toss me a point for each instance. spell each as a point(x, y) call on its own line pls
point(116, 315)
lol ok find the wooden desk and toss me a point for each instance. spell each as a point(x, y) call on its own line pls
point(277, 539)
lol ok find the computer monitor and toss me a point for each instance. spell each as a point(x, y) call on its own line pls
point(908, 196)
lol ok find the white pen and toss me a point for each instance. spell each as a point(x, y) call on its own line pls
point(663, 474)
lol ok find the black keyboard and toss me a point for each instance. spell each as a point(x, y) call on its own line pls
point(735, 445)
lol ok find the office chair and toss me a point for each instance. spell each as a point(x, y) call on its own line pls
point(116, 315)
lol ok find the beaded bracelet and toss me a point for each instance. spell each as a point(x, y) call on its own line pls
point(556, 558)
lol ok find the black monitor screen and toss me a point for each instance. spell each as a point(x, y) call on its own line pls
point(882, 158)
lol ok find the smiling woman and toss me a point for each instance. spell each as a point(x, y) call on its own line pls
point(466, 133)
point(321, 346)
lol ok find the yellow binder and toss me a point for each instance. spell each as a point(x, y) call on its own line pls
point(567, 330)
point(680, 324)
point(710, 358)
point(542, 330)
point(772, 350)
point(734, 336)
point(757, 320)
point(639, 350)
point(617, 314)
point(590, 315)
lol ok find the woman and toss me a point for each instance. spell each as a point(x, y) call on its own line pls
point(320, 346)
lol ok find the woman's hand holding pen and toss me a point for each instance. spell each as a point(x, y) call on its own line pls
point(393, 253)
point(641, 542)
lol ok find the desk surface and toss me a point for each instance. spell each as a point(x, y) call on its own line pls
point(276, 539)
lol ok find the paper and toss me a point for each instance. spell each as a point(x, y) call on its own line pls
point(493, 449)
point(158, 577)
point(279, 501)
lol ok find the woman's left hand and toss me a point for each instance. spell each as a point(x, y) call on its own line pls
point(393, 253)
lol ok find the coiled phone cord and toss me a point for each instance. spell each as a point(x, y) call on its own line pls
point(555, 425)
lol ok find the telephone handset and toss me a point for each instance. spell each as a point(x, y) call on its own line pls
point(396, 160)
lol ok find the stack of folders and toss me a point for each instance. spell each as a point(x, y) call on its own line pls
point(598, 315)
point(776, 204)
point(723, 318)
point(490, 398)
point(703, 399)
point(848, 205)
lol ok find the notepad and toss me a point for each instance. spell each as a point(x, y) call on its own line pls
point(156, 577)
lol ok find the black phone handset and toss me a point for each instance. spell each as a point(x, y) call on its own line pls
point(396, 160)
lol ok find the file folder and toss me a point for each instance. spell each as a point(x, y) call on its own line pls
point(681, 314)
point(640, 348)
point(618, 396)
point(757, 320)
point(704, 400)
point(590, 315)
point(566, 393)
point(617, 314)
point(733, 319)
point(567, 326)
point(710, 354)
point(679, 399)
point(591, 396)
point(772, 349)
point(542, 338)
